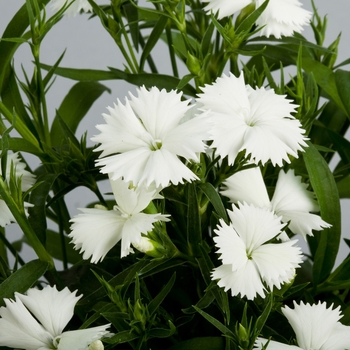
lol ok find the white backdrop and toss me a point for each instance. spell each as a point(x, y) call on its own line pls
point(88, 45)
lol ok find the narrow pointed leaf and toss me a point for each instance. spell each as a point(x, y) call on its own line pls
point(326, 241)
point(23, 279)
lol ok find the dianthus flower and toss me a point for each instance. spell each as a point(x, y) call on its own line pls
point(98, 230)
point(245, 252)
point(316, 327)
point(255, 120)
point(36, 321)
point(291, 199)
point(280, 18)
point(143, 140)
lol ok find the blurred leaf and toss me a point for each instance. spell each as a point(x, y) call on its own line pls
point(344, 187)
point(200, 343)
point(338, 279)
point(131, 14)
point(342, 80)
point(23, 279)
point(38, 197)
point(16, 144)
point(153, 39)
point(53, 246)
point(325, 78)
point(75, 106)
point(326, 242)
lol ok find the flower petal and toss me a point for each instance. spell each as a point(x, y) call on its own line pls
point(273, 345)
point(95, 232)
point(282, 18)
point(19, 329)
point(52, 308)
point(247, 186)
point(314, 325)
point(276, 263)
point(225, 8)
point(81, 338)
point(238, 282)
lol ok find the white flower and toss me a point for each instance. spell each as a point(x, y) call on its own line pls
point(96, 231)
point(144, 139)
point(316, 327)
point(225, 8)
point(36, 321)
point(291, 199)
point(74, 8)
point(280, 18)
point(245, 252)
point(257, 121)
point(27, 181)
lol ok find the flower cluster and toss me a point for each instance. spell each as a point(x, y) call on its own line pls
point(151, 142)
point(280, 18)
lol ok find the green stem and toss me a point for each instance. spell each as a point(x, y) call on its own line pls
point(9, 246)
point(171, 50)
point(22, 221)
point(19, 126)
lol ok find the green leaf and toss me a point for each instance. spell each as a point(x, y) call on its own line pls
point(326, 242)
point(217, 324)
point(250, 20)
point(325, 78)
point(162, 332)
point(21, 145)
point(14, 29)
point(81, 74)
point(131, 14)
point(344, 187)
point(153, 39)
point(214, 199)
point(162, 81)
point(38, 196)
point(75, 106)
point(342, 81)
point(194, 231)
point(23, 279)
point(122, 337)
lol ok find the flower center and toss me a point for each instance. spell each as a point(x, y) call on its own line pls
point(156, 145)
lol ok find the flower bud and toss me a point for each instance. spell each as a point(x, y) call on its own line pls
point(96, 345)
point(193, 64)
point(149, 247)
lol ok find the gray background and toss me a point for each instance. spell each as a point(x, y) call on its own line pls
point(88, 45)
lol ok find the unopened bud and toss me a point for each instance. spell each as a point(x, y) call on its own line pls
point(149, 247)
point(96, 345)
